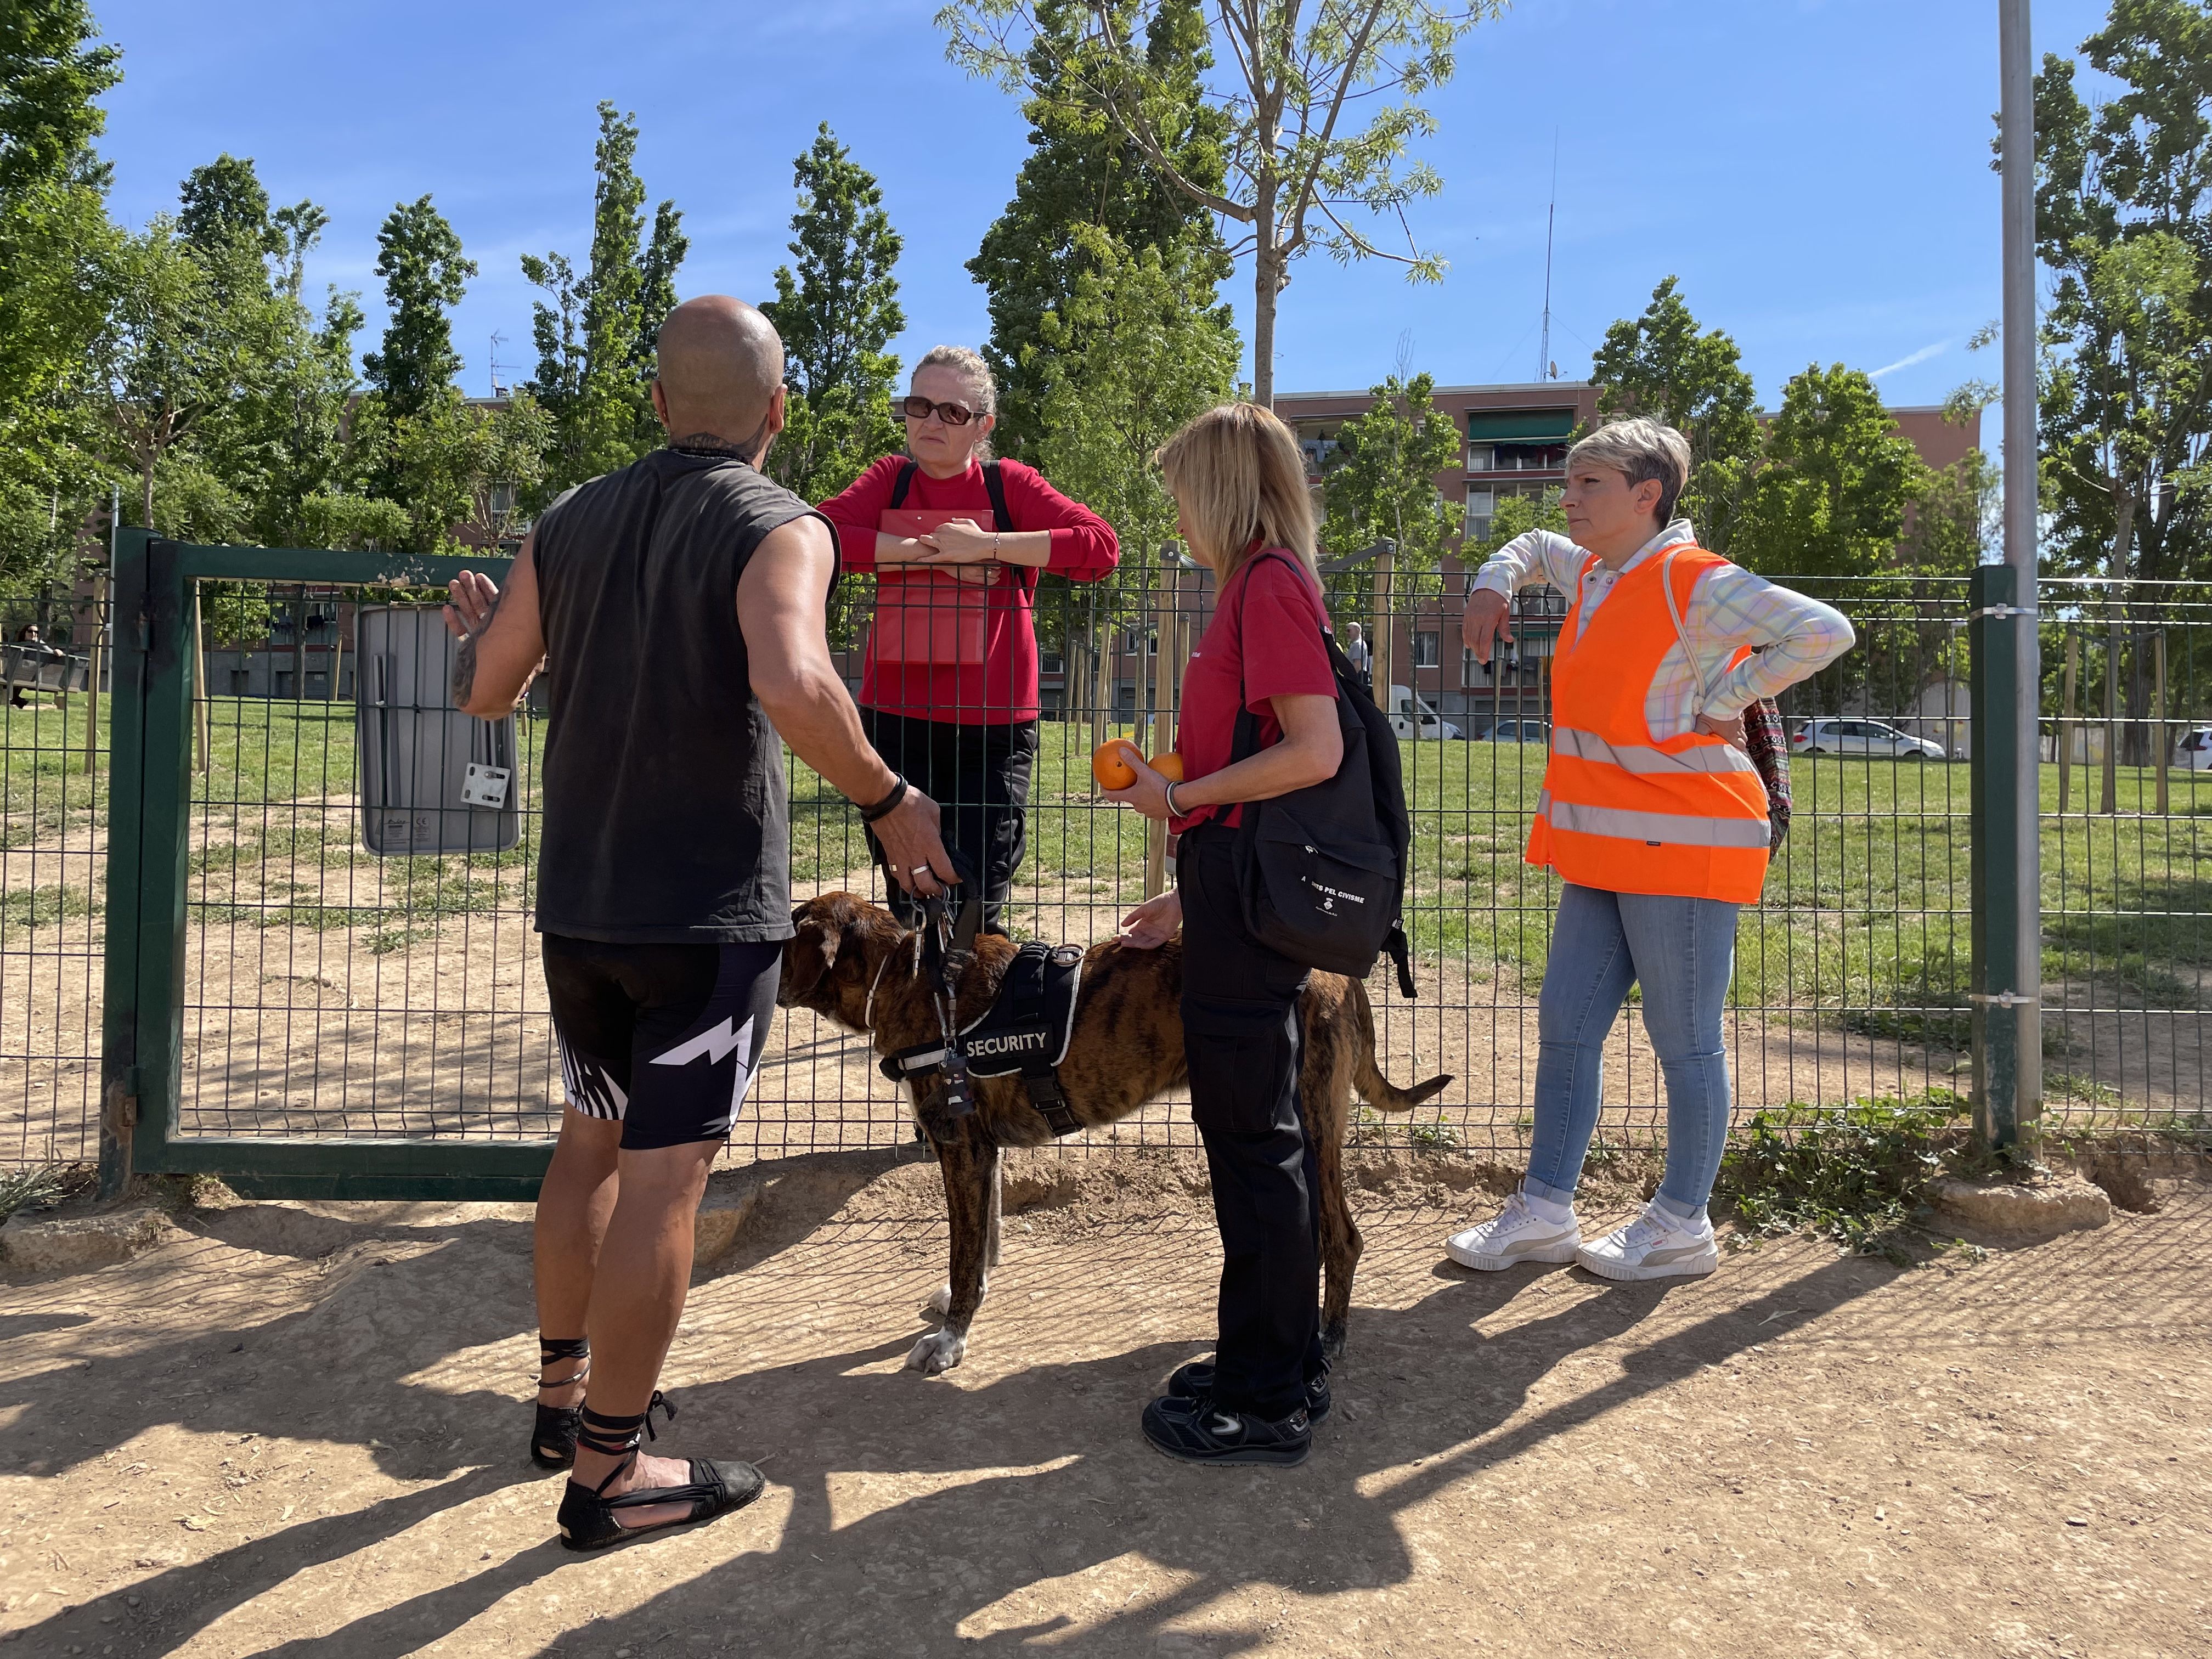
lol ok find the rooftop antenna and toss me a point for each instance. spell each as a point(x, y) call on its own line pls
point(1544, 351)
point(498, 340)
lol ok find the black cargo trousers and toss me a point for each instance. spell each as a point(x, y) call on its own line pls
point(979, 777)
point(1241, 1038)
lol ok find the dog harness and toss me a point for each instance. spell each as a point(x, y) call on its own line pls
point(1025, 1030)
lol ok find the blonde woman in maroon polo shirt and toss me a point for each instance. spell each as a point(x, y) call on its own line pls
point(1239, 485)
point(949, 680)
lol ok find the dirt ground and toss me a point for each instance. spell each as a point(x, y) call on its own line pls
point(298, 1428)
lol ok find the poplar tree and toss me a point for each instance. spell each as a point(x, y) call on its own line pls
point(595, 341)
point(425, 275)
point(838, 312)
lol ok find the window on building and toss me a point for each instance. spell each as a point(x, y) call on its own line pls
point(1479, 457)
point(1481, 505)
point(1471, 672)
point(1529, 458)
point(1424, 650)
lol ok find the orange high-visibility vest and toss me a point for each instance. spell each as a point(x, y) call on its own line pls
point(1624, 810)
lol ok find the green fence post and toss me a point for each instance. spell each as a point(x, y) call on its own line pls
point(2006, 995)
point(126, 798)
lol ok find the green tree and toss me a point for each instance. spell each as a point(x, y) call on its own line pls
point(1660, 365)
point(838, 313)
point(2121, 219)
point(50, 76)
point(1516, 515)
point(595, 341)
point(283, 440)
point(444, 463)
point(1831, 498)
point(1138, 347)
point(224, 206)
point(1952, 519)
point(53, 216)
point(1316, 123)
point(1083, 173)
point(174, 349)
point(1382, 482)
point(2125, 421)
point(425, 276)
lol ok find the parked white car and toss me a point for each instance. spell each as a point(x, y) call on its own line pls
point(1411, 717)
point(1518, 732)
point(1847, 736)
point(2194, 752)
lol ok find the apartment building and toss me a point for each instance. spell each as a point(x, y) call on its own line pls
point(1516, 444)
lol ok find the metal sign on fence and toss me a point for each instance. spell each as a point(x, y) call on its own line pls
point(432, 780)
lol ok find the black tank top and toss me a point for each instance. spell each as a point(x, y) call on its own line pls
point(665, 820)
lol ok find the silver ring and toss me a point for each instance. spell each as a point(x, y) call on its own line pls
point(917, 869)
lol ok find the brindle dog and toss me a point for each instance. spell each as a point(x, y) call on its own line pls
point(854, 963)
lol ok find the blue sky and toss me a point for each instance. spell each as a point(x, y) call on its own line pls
point(1815, 171)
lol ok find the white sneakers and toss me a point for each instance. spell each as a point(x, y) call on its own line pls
point(1657, 1244)
point(1517, 1234)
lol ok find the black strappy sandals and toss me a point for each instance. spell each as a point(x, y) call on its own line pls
point(553, 1440)
point(587, 1517)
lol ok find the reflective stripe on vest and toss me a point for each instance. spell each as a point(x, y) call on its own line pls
point(1624, 810)
point(1642, 758)
point(1653, 829)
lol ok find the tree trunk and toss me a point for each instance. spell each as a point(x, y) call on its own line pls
point(1267, 286)
point(2123, 534)
point(1264, 290)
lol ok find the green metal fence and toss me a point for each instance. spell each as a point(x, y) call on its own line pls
point(276, 1004)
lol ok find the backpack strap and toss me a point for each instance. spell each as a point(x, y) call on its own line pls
point(994, 481)
point(903, 483)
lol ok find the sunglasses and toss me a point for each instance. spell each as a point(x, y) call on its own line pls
point(919, 408)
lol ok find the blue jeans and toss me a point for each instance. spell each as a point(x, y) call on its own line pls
point(1681, 951)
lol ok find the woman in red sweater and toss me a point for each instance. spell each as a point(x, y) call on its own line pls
point(949, 681)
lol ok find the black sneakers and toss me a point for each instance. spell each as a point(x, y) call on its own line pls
point(1195, 1381)
point(1202, 1431)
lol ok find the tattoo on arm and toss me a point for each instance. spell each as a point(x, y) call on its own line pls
point(464, 656)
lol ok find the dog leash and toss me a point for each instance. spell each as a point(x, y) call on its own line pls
point(941, 939)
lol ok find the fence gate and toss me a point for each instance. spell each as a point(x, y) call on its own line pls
point(286, 1007)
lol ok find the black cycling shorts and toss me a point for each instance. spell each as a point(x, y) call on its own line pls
point(663, 1037)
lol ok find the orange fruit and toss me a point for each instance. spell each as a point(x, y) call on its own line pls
point(1109, 764)
point(1168, 766)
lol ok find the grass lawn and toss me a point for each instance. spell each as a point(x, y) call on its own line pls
point(1866, 914)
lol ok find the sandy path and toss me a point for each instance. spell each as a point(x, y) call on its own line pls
point(297, 1430)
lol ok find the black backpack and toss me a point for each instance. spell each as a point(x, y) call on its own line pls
point(1321, 872)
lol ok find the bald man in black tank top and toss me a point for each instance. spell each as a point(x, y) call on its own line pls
point(679, 608)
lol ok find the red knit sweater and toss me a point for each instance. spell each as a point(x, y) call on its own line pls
point(1003, 687)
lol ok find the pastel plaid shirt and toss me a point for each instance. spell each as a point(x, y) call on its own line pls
point(1790, 636)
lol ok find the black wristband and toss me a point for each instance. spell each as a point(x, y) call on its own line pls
point(888, 805)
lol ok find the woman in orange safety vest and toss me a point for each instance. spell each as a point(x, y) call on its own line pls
point(1656, 819)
